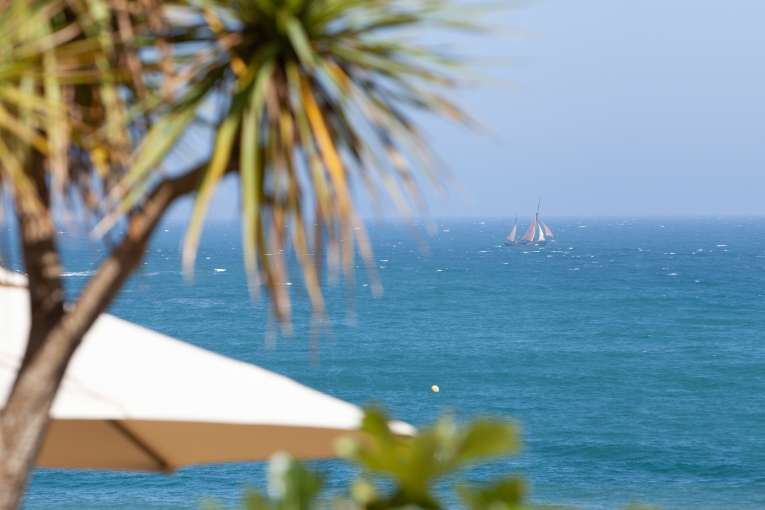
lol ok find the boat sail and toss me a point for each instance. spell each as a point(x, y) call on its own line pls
point(511, 237)
point(531, 233)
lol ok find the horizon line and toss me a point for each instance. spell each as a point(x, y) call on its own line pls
point(471, 218)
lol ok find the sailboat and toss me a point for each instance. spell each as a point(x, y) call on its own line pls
point(538, 233)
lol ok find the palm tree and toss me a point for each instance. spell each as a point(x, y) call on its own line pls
point(306, 101)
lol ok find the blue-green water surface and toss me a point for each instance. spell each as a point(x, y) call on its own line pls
point(631, 352)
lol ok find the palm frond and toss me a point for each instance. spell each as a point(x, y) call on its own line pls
point(313, 94)
point(310, 102)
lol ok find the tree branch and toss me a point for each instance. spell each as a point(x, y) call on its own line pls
point(113, 271)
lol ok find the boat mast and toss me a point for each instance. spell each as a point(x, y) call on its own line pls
point(547, 230)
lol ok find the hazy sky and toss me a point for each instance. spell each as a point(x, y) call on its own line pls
point(612, 107)
point(618, 107)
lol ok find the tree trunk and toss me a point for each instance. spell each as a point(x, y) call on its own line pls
point(18, 430)
point(55, 335)
point(41, 260)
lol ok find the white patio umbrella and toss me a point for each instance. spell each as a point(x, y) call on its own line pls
point(135, 399)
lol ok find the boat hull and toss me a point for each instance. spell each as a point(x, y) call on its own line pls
point(525, 243)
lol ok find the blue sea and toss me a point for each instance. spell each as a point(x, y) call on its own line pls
point(630, 351)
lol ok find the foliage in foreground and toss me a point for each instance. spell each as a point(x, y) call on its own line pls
point(397, 472)
point(402, 472)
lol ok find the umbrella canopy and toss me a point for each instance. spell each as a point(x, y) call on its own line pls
point(135, 399)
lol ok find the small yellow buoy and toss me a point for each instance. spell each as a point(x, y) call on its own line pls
point(435, 388)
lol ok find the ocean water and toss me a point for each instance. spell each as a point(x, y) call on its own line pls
point(631, 352)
